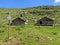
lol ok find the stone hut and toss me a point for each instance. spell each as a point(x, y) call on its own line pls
point(45, 21)
point(18, 21)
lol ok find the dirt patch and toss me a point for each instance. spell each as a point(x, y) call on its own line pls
point(29, 37)
point(20, 43)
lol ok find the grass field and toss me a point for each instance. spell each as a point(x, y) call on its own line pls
point(31, 35)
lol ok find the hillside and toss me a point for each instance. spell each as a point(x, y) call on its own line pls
point(31, 13)
point(30, 34)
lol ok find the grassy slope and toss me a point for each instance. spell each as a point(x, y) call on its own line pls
point(29, 34)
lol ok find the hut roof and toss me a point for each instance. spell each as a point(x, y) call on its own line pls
point(46, 18)
point(18, 19)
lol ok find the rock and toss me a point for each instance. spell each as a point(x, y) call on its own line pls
point(26, 23)
point(50, 38)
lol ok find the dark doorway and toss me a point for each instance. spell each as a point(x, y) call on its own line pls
point(40, 22)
